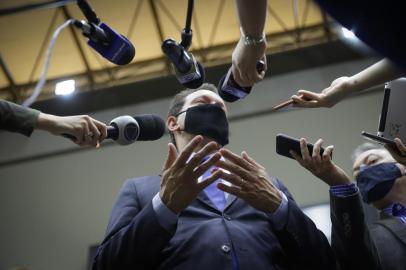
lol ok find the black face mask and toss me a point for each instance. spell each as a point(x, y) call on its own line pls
point(208, 120)
point(374, 182)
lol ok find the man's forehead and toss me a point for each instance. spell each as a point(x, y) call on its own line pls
point(376, 152)
point(202, 93)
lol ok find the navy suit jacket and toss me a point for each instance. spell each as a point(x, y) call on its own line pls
point(136, 240)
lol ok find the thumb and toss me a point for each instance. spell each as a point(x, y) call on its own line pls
point(307, 95)
point(172, 155)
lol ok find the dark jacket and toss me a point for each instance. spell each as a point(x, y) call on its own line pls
point(357, 245)
point(136, 240)
point(16, 118)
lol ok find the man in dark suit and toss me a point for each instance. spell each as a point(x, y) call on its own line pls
point(381, 182)
point(210, 208)
point(16, 118)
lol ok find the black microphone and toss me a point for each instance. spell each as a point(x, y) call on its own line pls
point(126, 129)
point(189, 72)
point(230, 90)
point(108, 43)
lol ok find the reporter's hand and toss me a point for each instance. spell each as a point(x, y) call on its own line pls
point(328, 97)
point(400, 155)
point(319, 165)
point(85, 129)
point(179, 181)
point(249, 180)
point(244, 62)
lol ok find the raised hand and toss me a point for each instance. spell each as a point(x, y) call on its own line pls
point(179, 181)
point(249, 180)
point(321, 165)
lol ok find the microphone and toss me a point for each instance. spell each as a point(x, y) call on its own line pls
point(126, 129)
point(108, 43)
point(189, 72)
point(230, 91)
point(144, 127)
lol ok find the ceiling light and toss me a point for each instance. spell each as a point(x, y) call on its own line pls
point(65, 88)
point(347, 33)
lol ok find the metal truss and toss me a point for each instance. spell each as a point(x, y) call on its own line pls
point(213, 54)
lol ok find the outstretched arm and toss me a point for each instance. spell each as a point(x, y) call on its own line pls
point(379, 73)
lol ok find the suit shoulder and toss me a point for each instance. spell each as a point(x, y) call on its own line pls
point(142, 183)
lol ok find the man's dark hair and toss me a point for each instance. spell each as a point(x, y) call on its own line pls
point(179, 100)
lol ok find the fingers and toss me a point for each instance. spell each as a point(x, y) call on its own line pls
point(81, 138)
point(316, 150)
point(231, 190)
point(239, 76)
point(94, 133)
point(400, 146)
point(187, 151)
point(102, 129)
point(201, 169)
point(304, 150)
point(198, 157)
point(246, 157)
point(297, 157)
point(172, 155)
point(328, 152)
point(209, 180)
point(306, 99)
point(231, 178)
point(234, 168)
point(236, 159)
point(308, 95)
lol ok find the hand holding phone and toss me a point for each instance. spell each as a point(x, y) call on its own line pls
point(285, 143)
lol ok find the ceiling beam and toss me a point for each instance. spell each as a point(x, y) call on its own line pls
point(158, 26)
point(9, 77)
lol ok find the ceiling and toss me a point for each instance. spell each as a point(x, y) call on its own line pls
point(25, 28)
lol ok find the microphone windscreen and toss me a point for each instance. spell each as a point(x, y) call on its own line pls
point(119, 49)
point(223, 94)
point(197, 82)
point(152, 127)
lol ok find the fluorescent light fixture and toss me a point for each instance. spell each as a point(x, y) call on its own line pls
point(347, 33)
point(65, 87)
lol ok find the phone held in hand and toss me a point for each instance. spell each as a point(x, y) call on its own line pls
point(285, 143)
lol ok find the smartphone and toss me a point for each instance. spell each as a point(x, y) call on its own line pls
point(382, 140)
point(284, 144)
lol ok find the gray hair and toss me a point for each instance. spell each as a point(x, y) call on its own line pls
point(366, 146)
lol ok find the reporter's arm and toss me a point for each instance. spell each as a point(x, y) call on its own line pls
point(85, 129)
point(16, 118)
point(252, 17)
point(379, 73)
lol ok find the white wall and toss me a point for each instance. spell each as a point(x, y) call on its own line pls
point(52, 209)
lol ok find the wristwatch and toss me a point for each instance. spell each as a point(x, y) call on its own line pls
point(252, 41)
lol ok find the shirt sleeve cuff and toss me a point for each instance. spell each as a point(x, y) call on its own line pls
point(166, 218)
point(280, 216)
point(344, 190)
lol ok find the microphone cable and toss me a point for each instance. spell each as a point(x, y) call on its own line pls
point(41, 82)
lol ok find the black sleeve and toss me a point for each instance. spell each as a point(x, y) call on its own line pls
point(305, 246)
point(134, 238)
point(16, 118)
point(351, 238)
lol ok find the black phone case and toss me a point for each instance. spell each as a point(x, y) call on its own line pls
point(285, 143)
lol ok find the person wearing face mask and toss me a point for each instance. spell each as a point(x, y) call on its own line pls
point(381, 182)
point(209, 208)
